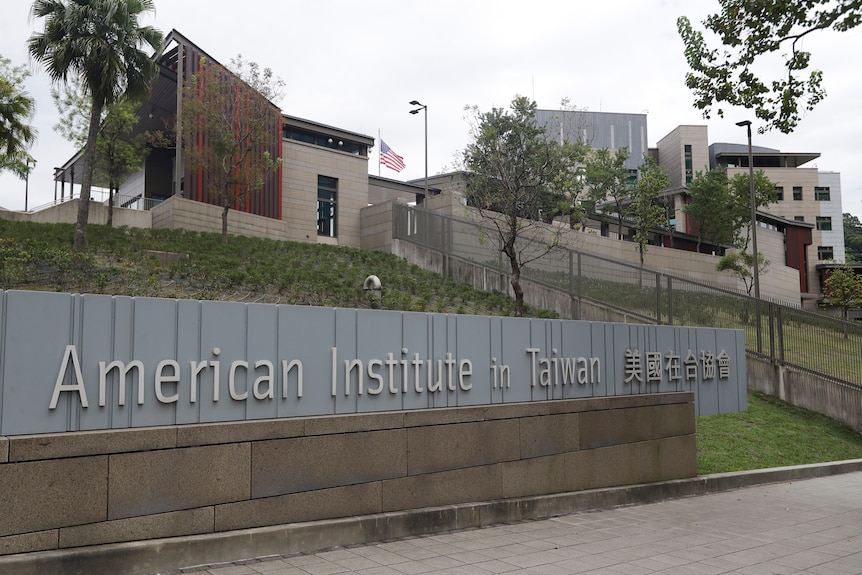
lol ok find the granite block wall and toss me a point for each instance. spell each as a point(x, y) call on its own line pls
point(60, 491)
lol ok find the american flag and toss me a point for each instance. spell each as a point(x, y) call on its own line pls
point(390, 159)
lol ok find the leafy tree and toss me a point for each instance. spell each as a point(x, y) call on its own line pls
point(118, 151)
point(645, 209)
point(230, 113)
point(73, 105)
point(709, 205)
point(764, 194)
point(16, 110)
point(843, 288)
point(721, 207)
point(98, 41)
point(741, 264)
point(750, 31)
point(516, 170)
point(608, 180)
point(852, 238)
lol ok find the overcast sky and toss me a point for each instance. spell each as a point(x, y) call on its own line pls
point(356, 65)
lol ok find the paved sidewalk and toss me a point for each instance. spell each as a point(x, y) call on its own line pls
point(809, 526)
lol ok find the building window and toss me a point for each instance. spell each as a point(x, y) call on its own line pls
point(797, 193)
point(779, 190)
point(798, 219)
point(689, 170)
point(824, 223)
point(821, 193)
point(825, 253)
point(327, 190)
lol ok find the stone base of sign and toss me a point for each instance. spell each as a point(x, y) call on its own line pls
point(61, 491)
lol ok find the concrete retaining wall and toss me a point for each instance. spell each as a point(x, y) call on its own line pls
point(839, 401)
point(62, 491)
point(486, 279)
point(67, 212)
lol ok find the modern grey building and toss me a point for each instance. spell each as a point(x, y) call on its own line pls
point(599, 130)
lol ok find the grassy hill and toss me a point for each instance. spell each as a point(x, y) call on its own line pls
point(182, 264)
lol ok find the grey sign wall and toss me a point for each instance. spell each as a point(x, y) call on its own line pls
point(84, 362)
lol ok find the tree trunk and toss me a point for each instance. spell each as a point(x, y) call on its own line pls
point(224, 223)
point(519, 293)
point(111, 203)
point(515, 279)
point(87, 181)
point(641, 271)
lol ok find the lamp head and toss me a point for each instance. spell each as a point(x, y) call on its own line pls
point(414, 111)
point(415, 103)
point(744, 123)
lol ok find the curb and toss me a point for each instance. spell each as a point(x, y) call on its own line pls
point(200, 552)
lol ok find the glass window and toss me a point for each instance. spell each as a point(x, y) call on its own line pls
point(825, 253)
point(780, 191)
point(797, 193)
point(821, 193)
point(327, 193)
point(798, 219)
point(689, 170)
point(824, 223)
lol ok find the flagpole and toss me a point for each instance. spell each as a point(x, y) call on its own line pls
point(379, 147)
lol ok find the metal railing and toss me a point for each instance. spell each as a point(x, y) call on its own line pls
point(101, 196)
point(779, 332)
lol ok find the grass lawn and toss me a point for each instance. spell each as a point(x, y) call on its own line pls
point(771, 433)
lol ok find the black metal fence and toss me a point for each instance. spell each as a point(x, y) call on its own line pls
point(781, 333)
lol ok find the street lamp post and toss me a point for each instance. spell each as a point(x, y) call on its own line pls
point(424, 108)
point(752, 201)
point(27, 182)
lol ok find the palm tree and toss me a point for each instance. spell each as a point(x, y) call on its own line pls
point(16, 108)
point(98, 41)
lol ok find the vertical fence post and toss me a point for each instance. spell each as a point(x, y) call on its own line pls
point(771, 332)
point(780, 322)
point(580, 278)
point(572, 286)
point(758, 324)
point(658, 298)
point(669, 300)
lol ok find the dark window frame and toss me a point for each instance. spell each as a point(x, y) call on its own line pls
point(327, 206)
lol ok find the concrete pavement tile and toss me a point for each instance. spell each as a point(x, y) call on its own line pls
point(836, 568)
point(495, 566)
point(232, 570)
point(506, 551)
point(418, 553)
point(269, 565)
point(379, 556)
point(382, 570)
point(468, 557)
point(694, 569)
point(806, 559)
point(357, 563)
point(549, 569)
point(326, 568)
point(336, 554)
point(441, 562)
point(627, 569)
point(660, 562)
point(766, 568)
point(412, 568)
